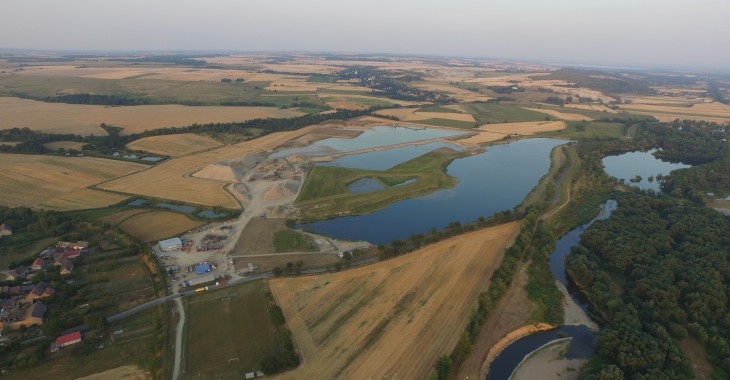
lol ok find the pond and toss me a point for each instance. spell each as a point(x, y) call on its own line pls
point(137, 202)
point(182, 208)
point(375, 137)
point(208, 214)
point(493, 181)
point(365, 185)
point(644, 164)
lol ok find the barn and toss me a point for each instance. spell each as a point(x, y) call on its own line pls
point(170, 244)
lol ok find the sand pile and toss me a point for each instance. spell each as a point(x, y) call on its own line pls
point(216, 172)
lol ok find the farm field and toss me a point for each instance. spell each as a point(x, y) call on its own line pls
point(116, 218)
point(576, 129)
point(714, 111)
point(174, 145)
point(493, 132)
point(485, 113)
point(195, 178)
point(591, 107)
point(402, 313)
point(157, 225)
point(224, 324)
point(447, 119)
point(59, 182)
point(559, 114)
point(84, 119)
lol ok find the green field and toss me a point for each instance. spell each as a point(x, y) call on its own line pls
point(500, 113)
point(587, 129)
point(224, 324)
point(293, 241)
point(322, 78)
point(325, 192)
point(448, 123)
point(155, 90)
point(438, 109)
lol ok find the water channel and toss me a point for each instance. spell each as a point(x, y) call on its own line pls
point(581, 346)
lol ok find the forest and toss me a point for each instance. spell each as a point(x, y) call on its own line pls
point(656, 273)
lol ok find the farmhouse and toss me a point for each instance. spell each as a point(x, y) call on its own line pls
point(38, 264)
point(17, 273)
point(41, 290)
point(5, 230)
point(170, 244)
point(66, 340)
point(67, 267)
point(77, 245)
point(16, 318)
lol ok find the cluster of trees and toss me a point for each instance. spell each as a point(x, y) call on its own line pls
point(391, 87)
point(605, 82)
point(83, 98)
point(656, 272)
point(287, 357)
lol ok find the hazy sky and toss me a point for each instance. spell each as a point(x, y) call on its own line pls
point(694, 33)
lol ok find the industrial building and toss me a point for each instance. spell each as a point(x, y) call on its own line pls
point(202, 268)
point(199, 280)
point(170, 244)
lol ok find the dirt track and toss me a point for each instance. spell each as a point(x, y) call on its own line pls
point(391, 319)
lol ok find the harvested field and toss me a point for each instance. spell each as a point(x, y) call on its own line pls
point(257, 237)
point(56, 145)
point(714, 111)
point(174, 145)
point(119, 217)
point(412, 114)
point(84, 119)
point(401, 314)
point(175, 179)
point(59, 182)
point(592, 107)
point(127, 372)
point(526, 128)
point(560, 115)
point(493, 132)
point(158, 225)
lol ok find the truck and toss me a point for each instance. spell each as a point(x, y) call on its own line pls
point(198, 290)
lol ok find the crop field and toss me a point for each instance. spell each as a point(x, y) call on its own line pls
point(59, 182)
point(592, 107)
point(230, 323)
point(714, 111)
point(84, 119)
point(293, 241)
point(171, 180)
point(492, 132)
point(157, 225)
point(116, 218)
point(449, 118)
point(325, 194)
point(174, 145)
point(401, 314)
point(559, 114)
point(500, 113)
point(576, 129)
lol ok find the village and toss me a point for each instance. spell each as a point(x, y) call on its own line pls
point(22, 306)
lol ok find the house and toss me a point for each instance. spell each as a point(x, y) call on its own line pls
point(67, 267)
point(5, 230)
point(41, 290)
point(69, 245)
point(16, 317)
point(38, 264)
point(66, 340)
point(17, 273)
point(72, 253)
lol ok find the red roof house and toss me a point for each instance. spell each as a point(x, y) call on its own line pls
point(68, 339)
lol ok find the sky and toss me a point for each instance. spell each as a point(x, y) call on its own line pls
point(636, 33)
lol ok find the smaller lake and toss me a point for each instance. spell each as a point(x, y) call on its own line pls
point(137, 202)
point(375, 137)
point(365, 185)
point(628, 165)
point(386, 159)
point(182, 208)
point(208, 214)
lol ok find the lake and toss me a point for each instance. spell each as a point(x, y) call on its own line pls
point(493, 181)
point(386, 159)
point(365, 185)
point(375, 137)
point(628, 165)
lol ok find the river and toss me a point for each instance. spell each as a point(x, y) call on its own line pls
point(581, 346)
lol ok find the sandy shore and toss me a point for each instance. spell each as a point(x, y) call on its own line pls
point(548, 363)
point(574, 315)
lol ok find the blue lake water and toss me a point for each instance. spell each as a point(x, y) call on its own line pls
point(365, 185)
point(496, 180)
point(626, 166)
point(208, 214)
point(137, 202)
point(182, 208)
point(374, 137)
point(386, 159)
